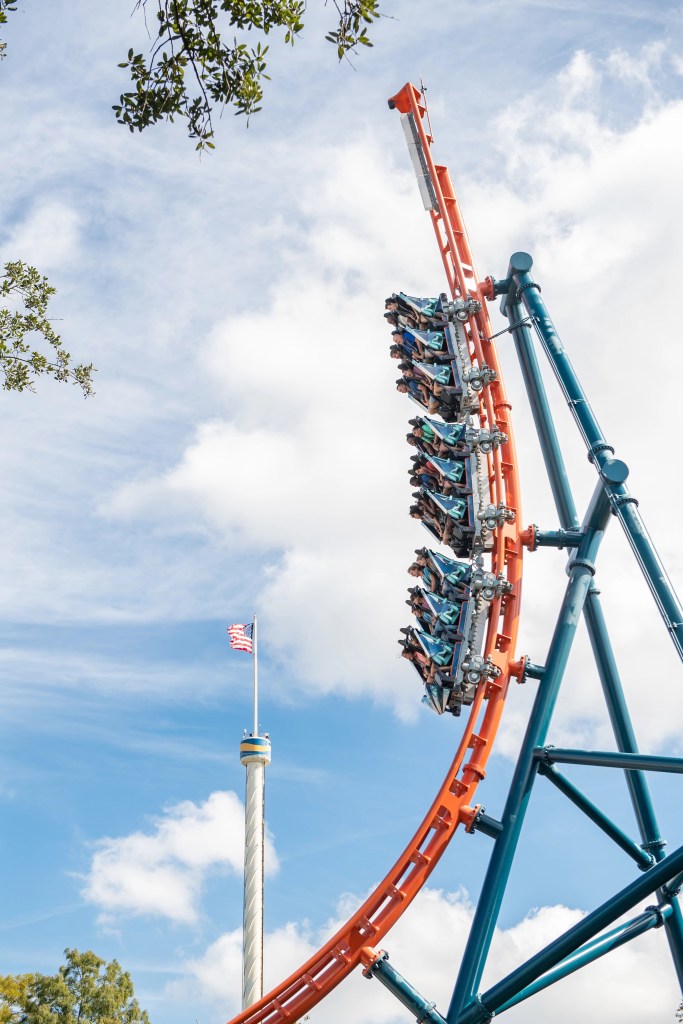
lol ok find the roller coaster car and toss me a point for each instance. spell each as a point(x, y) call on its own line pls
point(443, 669)
point(448, 403)
point(453, 435)
point(452, 520)
point(437, 698)
point(442, 375)
point(447, 476)
point(456, 473)
point(411, 305)
point(445, 620)
point(431, 343)
point(451, 578)
point(440, 653)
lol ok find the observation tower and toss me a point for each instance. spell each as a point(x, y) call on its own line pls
point(255, 754)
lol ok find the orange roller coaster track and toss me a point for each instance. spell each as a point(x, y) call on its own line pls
point(453, 803)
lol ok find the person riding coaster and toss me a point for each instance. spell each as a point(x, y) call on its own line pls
point(446, 475)
point(449, 518)
point(433, 345)
point(445, 439)
point(411, 305)
point(445, 620)
point(441, 668)
point(442, 575)
point(429, 655)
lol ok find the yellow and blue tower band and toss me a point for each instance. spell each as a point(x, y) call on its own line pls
point(255, 749)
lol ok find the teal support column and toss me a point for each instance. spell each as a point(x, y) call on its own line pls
point(580, 571)
point(643, 860)
point(652, 917)
point(498, 995)
point(518, 287)
point(423, 1011)
point(624, 505)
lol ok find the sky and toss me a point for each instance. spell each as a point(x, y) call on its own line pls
point(244, 451)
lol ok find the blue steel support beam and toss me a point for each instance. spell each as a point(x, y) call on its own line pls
point(557, 538)
point(580, 570)
point(543, 420)
point(492, 1000)
point(673, 887)
point(580, 800)
point(635, 780)
point(653, 917)
point(621, 722)
point(624, 505)
point(595, 620)
point(610, 759)
point(491, 827)
point(423, 1011)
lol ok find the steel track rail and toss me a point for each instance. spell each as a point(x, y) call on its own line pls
point(453, 803)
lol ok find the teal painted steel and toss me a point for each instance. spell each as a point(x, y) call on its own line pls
point(624, 505)
point(489, 826)
point(643, 860)
point(580, 571)
point(557, 538)
point(423, 1011)
point(653, 917)
point(543, 420)
point(611, 759)
point(595, 621)
point(613, 475)
point(627, 898)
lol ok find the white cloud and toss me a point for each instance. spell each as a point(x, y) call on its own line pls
point(162, 873)
point(306, 468)
point(426, 947)
point(48, 236)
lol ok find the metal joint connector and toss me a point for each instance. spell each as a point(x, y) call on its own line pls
point(461, 310)
point(488, 585)
point(484, 1014)
point(578, 563)
point(655, 844)
point(479, 377)
point(672, 888)
point(596, 449)
point(656, 912)
point(531, 670)
point(624, 499)
point(485, 440)
point(374, 966)
point(493, 516)
point(476, 669)
point(523, 287)
point(482, 822)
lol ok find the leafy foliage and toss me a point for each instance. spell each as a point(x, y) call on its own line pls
point(196, 38)
point(352, 29)
point(5, 6)
point(20, 362)
point(86, 990)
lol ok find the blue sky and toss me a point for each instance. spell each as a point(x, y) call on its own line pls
point(245, 451)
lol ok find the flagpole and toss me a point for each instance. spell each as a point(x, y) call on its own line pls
point(255, 677)
point(254, 755)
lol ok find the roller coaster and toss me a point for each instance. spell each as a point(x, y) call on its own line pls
point(467, 605)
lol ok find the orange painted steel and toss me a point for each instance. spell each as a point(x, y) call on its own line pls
point(453, 803)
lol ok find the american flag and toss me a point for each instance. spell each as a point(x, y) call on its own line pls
point(241, 637)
